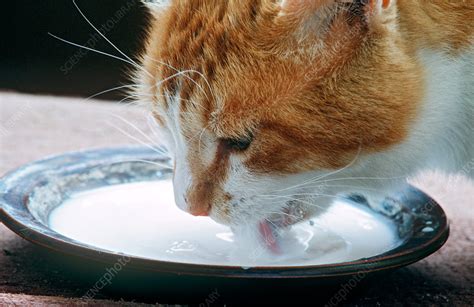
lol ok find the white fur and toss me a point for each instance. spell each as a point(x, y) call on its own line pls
point(443, 136)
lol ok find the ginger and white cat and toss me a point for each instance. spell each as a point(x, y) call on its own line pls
point(270, 108)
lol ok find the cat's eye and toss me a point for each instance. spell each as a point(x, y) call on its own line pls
point(238, 144)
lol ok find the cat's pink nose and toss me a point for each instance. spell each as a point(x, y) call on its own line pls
point(199, 210)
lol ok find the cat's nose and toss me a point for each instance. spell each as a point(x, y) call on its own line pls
point(197, 209)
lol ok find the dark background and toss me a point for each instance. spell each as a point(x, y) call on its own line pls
point(34, 62)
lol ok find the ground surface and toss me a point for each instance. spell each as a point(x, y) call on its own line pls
point(32, 127)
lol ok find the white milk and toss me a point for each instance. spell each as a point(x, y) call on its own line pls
point(141, 219)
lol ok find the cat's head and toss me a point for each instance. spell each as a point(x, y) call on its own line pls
point(256, 98)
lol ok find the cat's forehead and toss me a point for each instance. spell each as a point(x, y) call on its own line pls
point(234, 43)
point(228, 58)
point(207, 33)
point(206, 59)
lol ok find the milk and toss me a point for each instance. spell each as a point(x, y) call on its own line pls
point(142, 220)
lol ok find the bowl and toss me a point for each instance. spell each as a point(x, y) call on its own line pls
point(29, 194)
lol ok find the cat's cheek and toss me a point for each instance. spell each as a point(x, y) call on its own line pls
point(241, 200)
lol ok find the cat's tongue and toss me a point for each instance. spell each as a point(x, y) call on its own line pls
point(269, 236)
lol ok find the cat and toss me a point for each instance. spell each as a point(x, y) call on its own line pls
point(272, 108)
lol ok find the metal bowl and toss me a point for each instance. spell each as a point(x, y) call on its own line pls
point(30, 193)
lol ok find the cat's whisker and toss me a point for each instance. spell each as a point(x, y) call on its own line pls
point(131, 100)
point(323, 184)
point(177, 70)
point(180, 73)
point(188, 77)
point(312, 194)
point(201, 134)
point(194, 103)
point(297, 218)
point(318, 178)
point(109, 91)
point(147, 137)
point(312, 204)
point(152, 125)
point(139, 101)
point(159, 152)
point(288, 198)
point(345, 186)
point(363, 178)
point(94, 50)
point(161, 165)
point(345, 167)
point(274, 225)
point(282, 213)
point(132, 62)
point(177, 98)
point(169, 99)
point(270, 196)
point(90, 49)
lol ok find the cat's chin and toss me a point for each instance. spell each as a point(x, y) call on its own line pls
point(268, 231)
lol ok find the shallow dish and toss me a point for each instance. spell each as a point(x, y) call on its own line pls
point(29, 195)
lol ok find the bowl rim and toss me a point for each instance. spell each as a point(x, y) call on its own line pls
point(395, 258)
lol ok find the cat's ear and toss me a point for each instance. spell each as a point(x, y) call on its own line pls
point(320, 12)
point(334, 20)
point(377, 6)
point(304, 8)
point(377, 11)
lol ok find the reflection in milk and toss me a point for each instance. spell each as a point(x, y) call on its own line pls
point(141, 219)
